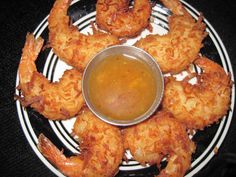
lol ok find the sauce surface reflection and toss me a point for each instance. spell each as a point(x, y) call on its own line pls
point(121, 87)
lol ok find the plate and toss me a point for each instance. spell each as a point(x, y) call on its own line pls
point(82, 13)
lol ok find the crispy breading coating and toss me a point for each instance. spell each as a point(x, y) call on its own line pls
point(101, 149)
point(73, 47)
point(176, 50)
point(116, 17)
point(203, 103)
point(58, 100)
point(158, 137)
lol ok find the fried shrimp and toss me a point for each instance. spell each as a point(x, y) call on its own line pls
point(59, 100)
point(176, 50)
point(116, 17)
point(203, 103)
point(73, 47)
point(158, 137)
point(101, 147)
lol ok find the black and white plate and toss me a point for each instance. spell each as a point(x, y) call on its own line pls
point(82, 12)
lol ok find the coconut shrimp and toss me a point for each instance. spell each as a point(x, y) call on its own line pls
point(73, 47)
point(101, 149)
point(177, 49)
point(158, 137)
point(59, 100)
point(116, 17)
point(203, 103)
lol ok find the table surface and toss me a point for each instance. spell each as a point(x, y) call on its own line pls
point(19, 17)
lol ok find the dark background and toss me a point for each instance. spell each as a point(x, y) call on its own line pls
point(17, 17)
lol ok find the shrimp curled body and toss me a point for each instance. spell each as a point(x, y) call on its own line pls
point(73, 47)
point(116, 17)
point(203, 103)
point(158, 137)
point(177, 49)
point(59, 100)
point(101, 147)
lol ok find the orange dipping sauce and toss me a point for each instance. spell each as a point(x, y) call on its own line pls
point(121, 87)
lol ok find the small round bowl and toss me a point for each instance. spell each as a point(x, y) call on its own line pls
point(133, 52)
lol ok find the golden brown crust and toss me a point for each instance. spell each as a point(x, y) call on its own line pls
point(116, 17)
point(100, 144)
point(176, 50)
point(59, 100)
point(104, 142)
point(158, 137)
point(203, 103)
point(73, 47)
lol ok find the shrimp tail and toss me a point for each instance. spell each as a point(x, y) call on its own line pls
point(34, 45)
point(48, 149)
point(176, 7)
point(30, 53)
point(69, 166)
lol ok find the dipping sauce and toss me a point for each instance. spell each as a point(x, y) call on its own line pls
point(122, 87)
